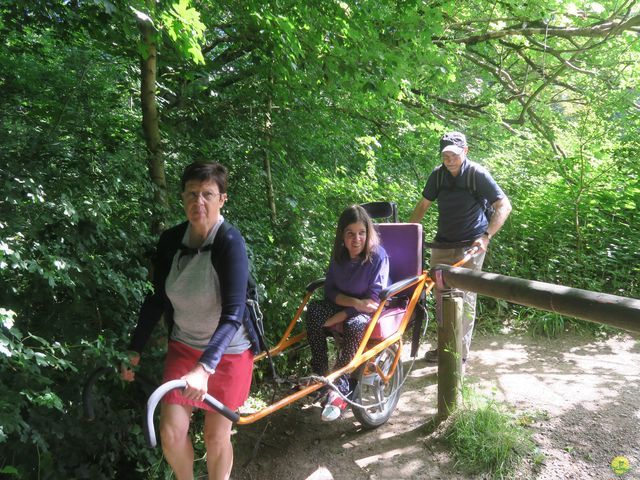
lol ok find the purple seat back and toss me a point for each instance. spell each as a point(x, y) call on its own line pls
point(403, 243)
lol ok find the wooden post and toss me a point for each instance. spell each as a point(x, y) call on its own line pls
point(449, 311)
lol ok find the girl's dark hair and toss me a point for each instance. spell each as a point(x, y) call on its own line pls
point(206, 172)
point(355, 214)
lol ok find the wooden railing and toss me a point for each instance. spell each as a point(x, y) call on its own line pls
point(602, 308)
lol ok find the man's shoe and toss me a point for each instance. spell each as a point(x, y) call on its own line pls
point(431, 356)
point(334, 407)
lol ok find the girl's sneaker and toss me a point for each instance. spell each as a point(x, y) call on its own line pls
point(334, 407)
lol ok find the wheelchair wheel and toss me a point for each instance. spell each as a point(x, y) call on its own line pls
point(371, 389)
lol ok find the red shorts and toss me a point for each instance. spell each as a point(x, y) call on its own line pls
point(229, 384)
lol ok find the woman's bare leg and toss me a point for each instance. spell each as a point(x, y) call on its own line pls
point(176, 443)
point(217, 437)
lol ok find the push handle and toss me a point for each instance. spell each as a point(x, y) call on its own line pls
point(468, 254)
point(87, 391)
point(165, 388)
point(96, 375)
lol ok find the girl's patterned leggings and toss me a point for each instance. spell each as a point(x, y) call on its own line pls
point(318, 312)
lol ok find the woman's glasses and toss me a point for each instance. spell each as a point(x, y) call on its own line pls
point(207, 195)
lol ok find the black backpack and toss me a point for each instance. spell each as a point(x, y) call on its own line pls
point(470, 185)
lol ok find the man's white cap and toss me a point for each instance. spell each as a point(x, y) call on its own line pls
point(453, 142)
point(454, 149)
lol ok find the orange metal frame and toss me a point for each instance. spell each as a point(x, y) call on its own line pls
point(366, 350)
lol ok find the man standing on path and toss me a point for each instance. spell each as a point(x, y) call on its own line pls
point(471, 210)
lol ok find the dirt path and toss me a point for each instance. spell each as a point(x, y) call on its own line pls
point(583, 393)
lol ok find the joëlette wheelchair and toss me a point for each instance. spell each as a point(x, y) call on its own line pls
point(376, 366)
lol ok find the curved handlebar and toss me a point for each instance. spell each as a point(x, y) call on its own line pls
point(88, 388)
point(165, 388)
point(87, 391)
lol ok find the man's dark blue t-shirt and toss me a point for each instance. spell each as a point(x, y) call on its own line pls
point(461, 213)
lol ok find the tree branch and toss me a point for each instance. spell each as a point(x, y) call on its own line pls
point(534, 66)
point(596, 30)
point(557, 55)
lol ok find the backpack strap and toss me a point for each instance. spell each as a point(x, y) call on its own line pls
point(472, 187)
point(439, 179)
point(252, 285)
point(215, 246)
point(471, 179)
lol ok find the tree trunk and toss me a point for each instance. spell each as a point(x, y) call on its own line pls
point(151, 126)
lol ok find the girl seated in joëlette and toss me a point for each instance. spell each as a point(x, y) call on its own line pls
point(357, 273)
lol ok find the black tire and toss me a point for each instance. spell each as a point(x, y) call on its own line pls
point(371, 389)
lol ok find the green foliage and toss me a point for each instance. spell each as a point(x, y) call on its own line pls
point(182, 24)
point(346, 106)
point(549, 325)
point(486, 438)
point(40, 407)
point(69, 267)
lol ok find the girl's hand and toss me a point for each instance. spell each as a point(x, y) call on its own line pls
point(366, 305)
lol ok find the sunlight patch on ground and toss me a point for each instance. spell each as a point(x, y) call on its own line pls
point(558, 393)
point(322, 473)
point(411, 451)
point(418, 399)
point(384, 435)
point(616, 355)
point(526, 376)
